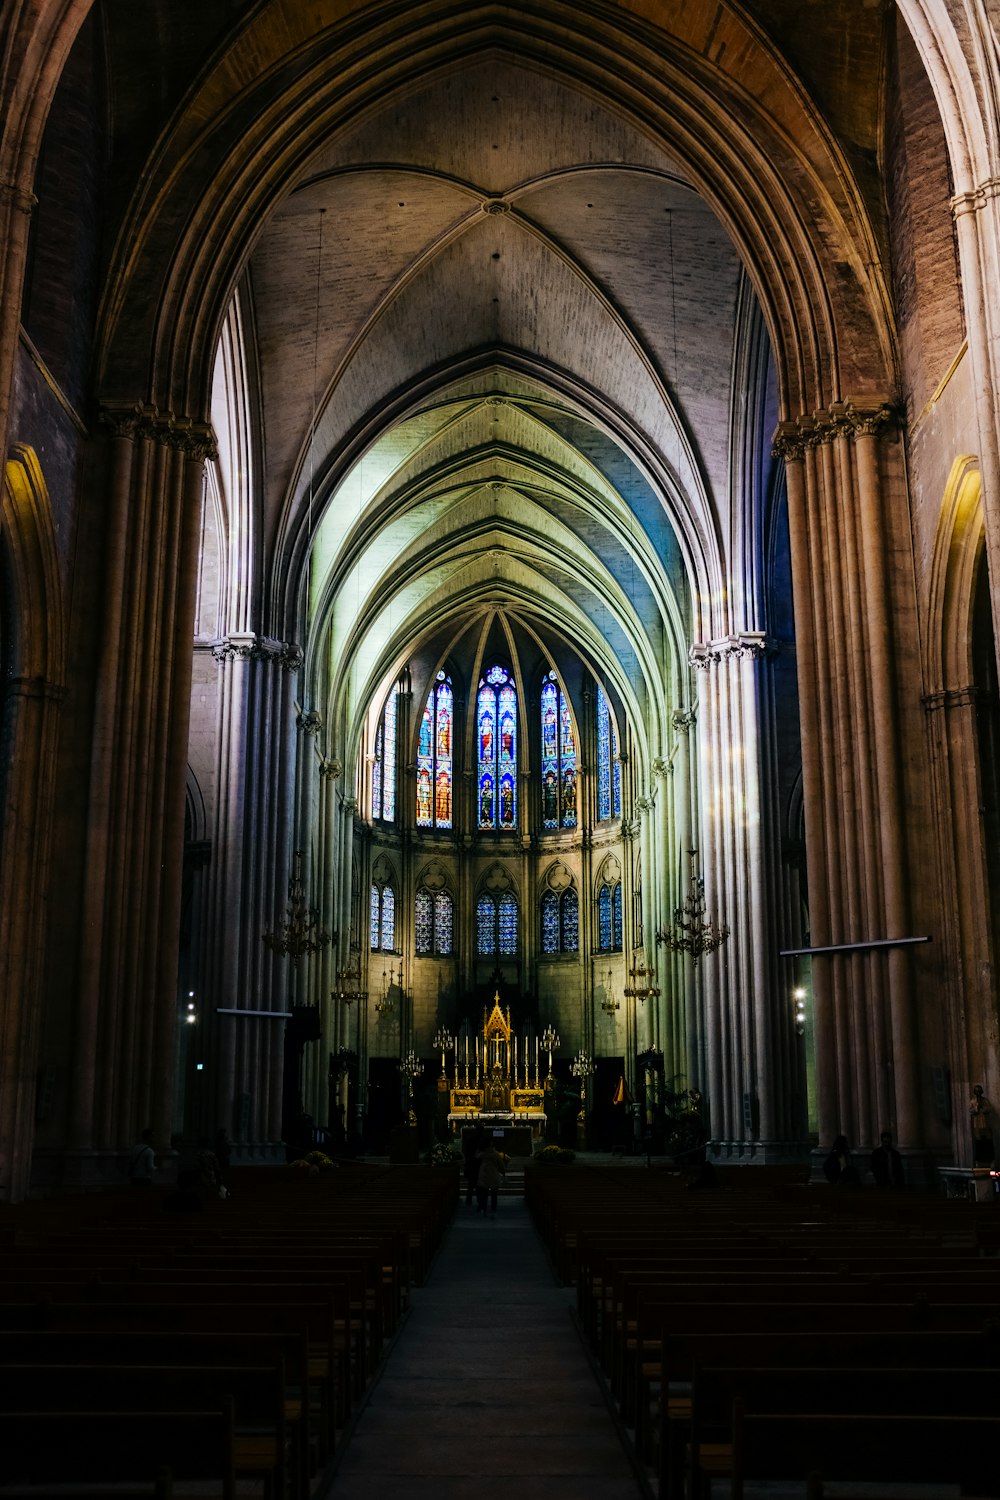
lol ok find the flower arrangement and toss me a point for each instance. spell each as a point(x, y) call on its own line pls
point(316, 1161)
point(554, 1156)
point(445, 1154)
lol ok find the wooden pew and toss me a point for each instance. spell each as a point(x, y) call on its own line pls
point(125, 1449)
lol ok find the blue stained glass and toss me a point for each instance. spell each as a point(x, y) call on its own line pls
point(508, 925)
point(496, 676)
point(426, 744)
point(616, 783)
point(508, 801)
point(486, 926)
point(425, 816)
point(616, 916)
point(496, 722)
point(604, 919)
point(550, 922)
point(388, 918)
point(443, 923)
point(550, 799)
point(388, 748)
point(375, 917)
point(569, 798)
point(377, 776)
point(570, 922)
point(603, 757)
point(424, 920)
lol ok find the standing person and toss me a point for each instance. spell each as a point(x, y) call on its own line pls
point(886, 1163)
point(142, 1163)
point(980, 1114)
point(491, 1173)
point(838, 1168)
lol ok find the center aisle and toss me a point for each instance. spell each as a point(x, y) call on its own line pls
point(488, 1391)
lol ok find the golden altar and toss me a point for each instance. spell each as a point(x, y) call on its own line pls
point(500, 1085)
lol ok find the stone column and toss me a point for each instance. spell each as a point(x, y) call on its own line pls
point(127, 999)
point(249, 890)
point(842, 531)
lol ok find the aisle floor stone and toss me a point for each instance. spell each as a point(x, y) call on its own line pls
point(488, 1385)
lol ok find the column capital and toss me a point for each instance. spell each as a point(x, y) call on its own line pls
point(683, 719)
point(246, 646)
point(136, 421)
point(744, 644)
point(852, 419)
point(308, 721)
point(331, 770)
point(975, 199)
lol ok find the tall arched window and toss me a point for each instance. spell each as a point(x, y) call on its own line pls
point(382, 919)
point(496, 926)
point(558, 758)
point(496, 729)
point(384, 769)
point(609, 918)
point(434, 756)
point(435, 922)
point(609, 771)
point(560, 922)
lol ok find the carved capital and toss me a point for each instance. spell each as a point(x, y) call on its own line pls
point(196, 440)
point(331, 770)
point(683, 720)
point(309, 721)
point(851, 419)
point(743, 644)
point(245, 646)
point(661, 767)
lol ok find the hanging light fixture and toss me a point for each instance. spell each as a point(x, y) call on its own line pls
point(640, 984)
point(347, 987)
point(610, 1003)
point(301, 932)
point(693, 931)
point(384, 1003)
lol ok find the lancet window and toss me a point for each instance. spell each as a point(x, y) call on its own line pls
point(435, 763)
point(384, 767)
point(609, 771)
point(435, 923)
point(558, 758)
point(496, 732)
point(609, 918)
point(560, 922)
point(496, 926)
point(382, 919)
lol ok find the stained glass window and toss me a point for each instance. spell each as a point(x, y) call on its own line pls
point(570, 922)
point(609, 771)
point(558, 759)
point(435, 756)
point(435, 922)
point(486, 926)
point(550, 922)
point(382, 918)
point(604, 919)
point(508, 925)
point(444, 923)
point(384, 767)
point(424, 921)
point(496, 729)
point(609, 917)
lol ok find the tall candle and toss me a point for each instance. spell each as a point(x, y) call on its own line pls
point(536, 1062)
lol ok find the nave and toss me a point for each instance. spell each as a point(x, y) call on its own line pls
point(488, 1387)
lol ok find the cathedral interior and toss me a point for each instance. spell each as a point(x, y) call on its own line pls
point(497, 508)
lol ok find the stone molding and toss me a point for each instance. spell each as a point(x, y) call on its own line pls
point(743, 644)
point(246, 646)
point(847, 419)
point(976, 198)
point(963, 697)
point(18, 197)
point(196, 440)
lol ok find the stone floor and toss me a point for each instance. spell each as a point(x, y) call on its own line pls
point(488, 1391)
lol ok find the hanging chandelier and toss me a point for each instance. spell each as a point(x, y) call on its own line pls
point(693, 931)
point(301, 933)
point(640, 984)
point(610, 1003)
point(348, 987)
point(383, 1004)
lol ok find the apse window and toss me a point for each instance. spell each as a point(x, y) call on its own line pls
point(434, 920)
point(496, 926)
point(558, 757)
point(382, 919)
point(435, 756)
point(609, 918)
point(496, 729)
point(384, 765)
point(560, 922)
point(609, 770)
